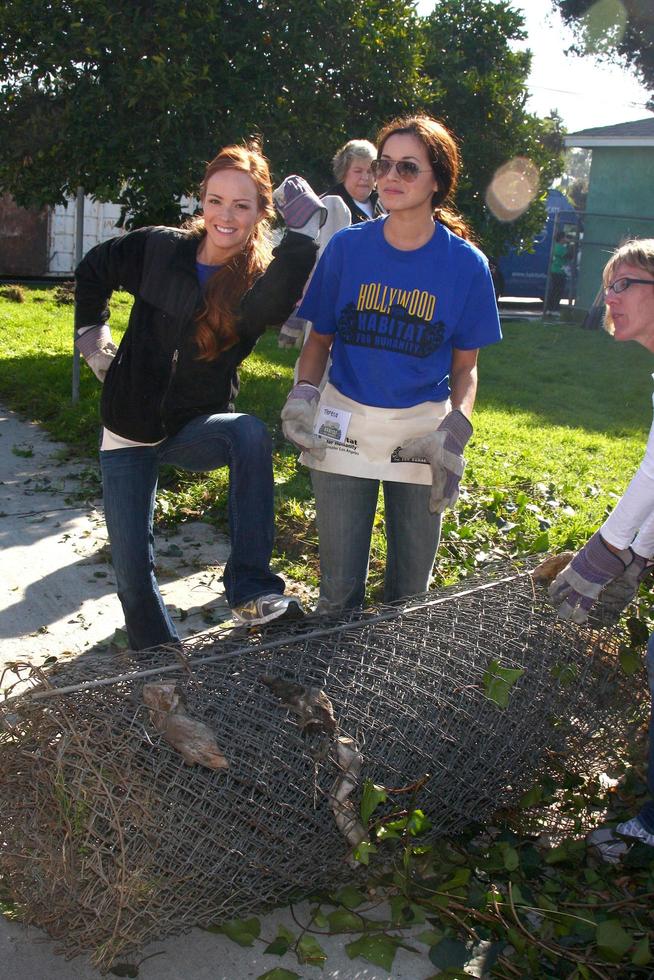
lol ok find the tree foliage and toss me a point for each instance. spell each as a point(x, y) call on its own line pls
point(129, 98)
point(479, 90)
point(620, 30)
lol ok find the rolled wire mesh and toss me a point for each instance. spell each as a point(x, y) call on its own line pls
point(108, 839)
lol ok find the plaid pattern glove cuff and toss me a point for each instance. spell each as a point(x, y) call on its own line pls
point(298, 417)
point(299, 206)
point(575, 590)
point(617, 595)
point(443, 450)
point(91, 339)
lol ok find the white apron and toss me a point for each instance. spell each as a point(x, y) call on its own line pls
point(366, 444)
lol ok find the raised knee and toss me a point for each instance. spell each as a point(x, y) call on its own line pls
point(253, 433)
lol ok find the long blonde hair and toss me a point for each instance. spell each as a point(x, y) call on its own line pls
point(216, 323)
point(443, 154)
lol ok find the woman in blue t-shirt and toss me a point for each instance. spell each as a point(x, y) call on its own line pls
point(403, 305)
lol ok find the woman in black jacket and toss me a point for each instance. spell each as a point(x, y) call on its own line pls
point(202, 298)
point(355, 183)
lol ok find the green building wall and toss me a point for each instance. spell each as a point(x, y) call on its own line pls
point(620, 205)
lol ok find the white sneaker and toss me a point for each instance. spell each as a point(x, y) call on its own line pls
point(606, 845)
point(265, 608)
point(634, 828)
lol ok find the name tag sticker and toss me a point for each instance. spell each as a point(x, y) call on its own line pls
point(332, 423)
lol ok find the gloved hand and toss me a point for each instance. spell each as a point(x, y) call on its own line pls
point(617, 595)
point(298, 417)
point(577, 587)
point(443, 450)
point(100, 360)
point(301, 209)
point(97, 348)
point(292, 332)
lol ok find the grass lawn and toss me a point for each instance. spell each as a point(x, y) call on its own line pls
point(561, 422)
point(560, 427)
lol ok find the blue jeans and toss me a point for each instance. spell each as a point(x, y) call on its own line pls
point(647, 813)
point(345, 511)
point(129, 479)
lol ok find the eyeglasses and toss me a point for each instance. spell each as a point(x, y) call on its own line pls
point(625, 282)
point(406, 169)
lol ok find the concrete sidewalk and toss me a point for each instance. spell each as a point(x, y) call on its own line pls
point(57, 599)
point(57, 589)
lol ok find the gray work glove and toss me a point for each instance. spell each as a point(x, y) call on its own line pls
point(100, 360)
point(443, 450)
point(97, 348)
point(292, 332)
point(298, 417)
point(575, 590)
point(617, 595)
point(299, 206)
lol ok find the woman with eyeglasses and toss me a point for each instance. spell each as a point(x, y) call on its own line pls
point(403, 304)
point(610, 567)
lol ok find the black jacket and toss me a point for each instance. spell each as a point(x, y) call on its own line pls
point(155, 384)
point(357, 214)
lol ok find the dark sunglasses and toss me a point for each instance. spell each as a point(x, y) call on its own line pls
point(625, 282)
point(406, 169)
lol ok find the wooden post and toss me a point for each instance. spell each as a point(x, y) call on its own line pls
point(79, 251)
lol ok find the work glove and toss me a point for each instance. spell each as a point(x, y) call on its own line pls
point(443, 450)
point(617, 595)
point(100, 360)
point(301, 208)
point(298, 417)
point(575, 590)
point(292, 332)
point(97, 348)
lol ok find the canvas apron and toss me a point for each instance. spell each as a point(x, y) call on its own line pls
point(363, 441)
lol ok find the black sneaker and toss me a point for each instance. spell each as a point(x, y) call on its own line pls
point(265, 608)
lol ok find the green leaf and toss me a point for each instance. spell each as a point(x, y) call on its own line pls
point(350, 897)
point(449, 954)
point(459, 879)
point(380, 950)
point(629, 660)
point(125, 970)
point(371, 797)
point(430, 937)
point(642, 954)
point(531, 797)
point(541, 543)
point(278, 947)
point(418, 823)
point(310, 951)
point(241, 931)
point(498, 681)
point(363, 851)
point(517, 939)
point(320, 920)
point(284, 933)
point(279, 973)
point(638, 631)
point(342, 920)
point(404, 912)
point(612, 940)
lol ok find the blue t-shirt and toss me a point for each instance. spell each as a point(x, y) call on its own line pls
point(204, 272)
point(397, 315)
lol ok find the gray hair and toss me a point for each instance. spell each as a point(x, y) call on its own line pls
point(363, 149)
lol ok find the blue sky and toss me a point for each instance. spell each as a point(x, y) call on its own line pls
point(584, 92)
